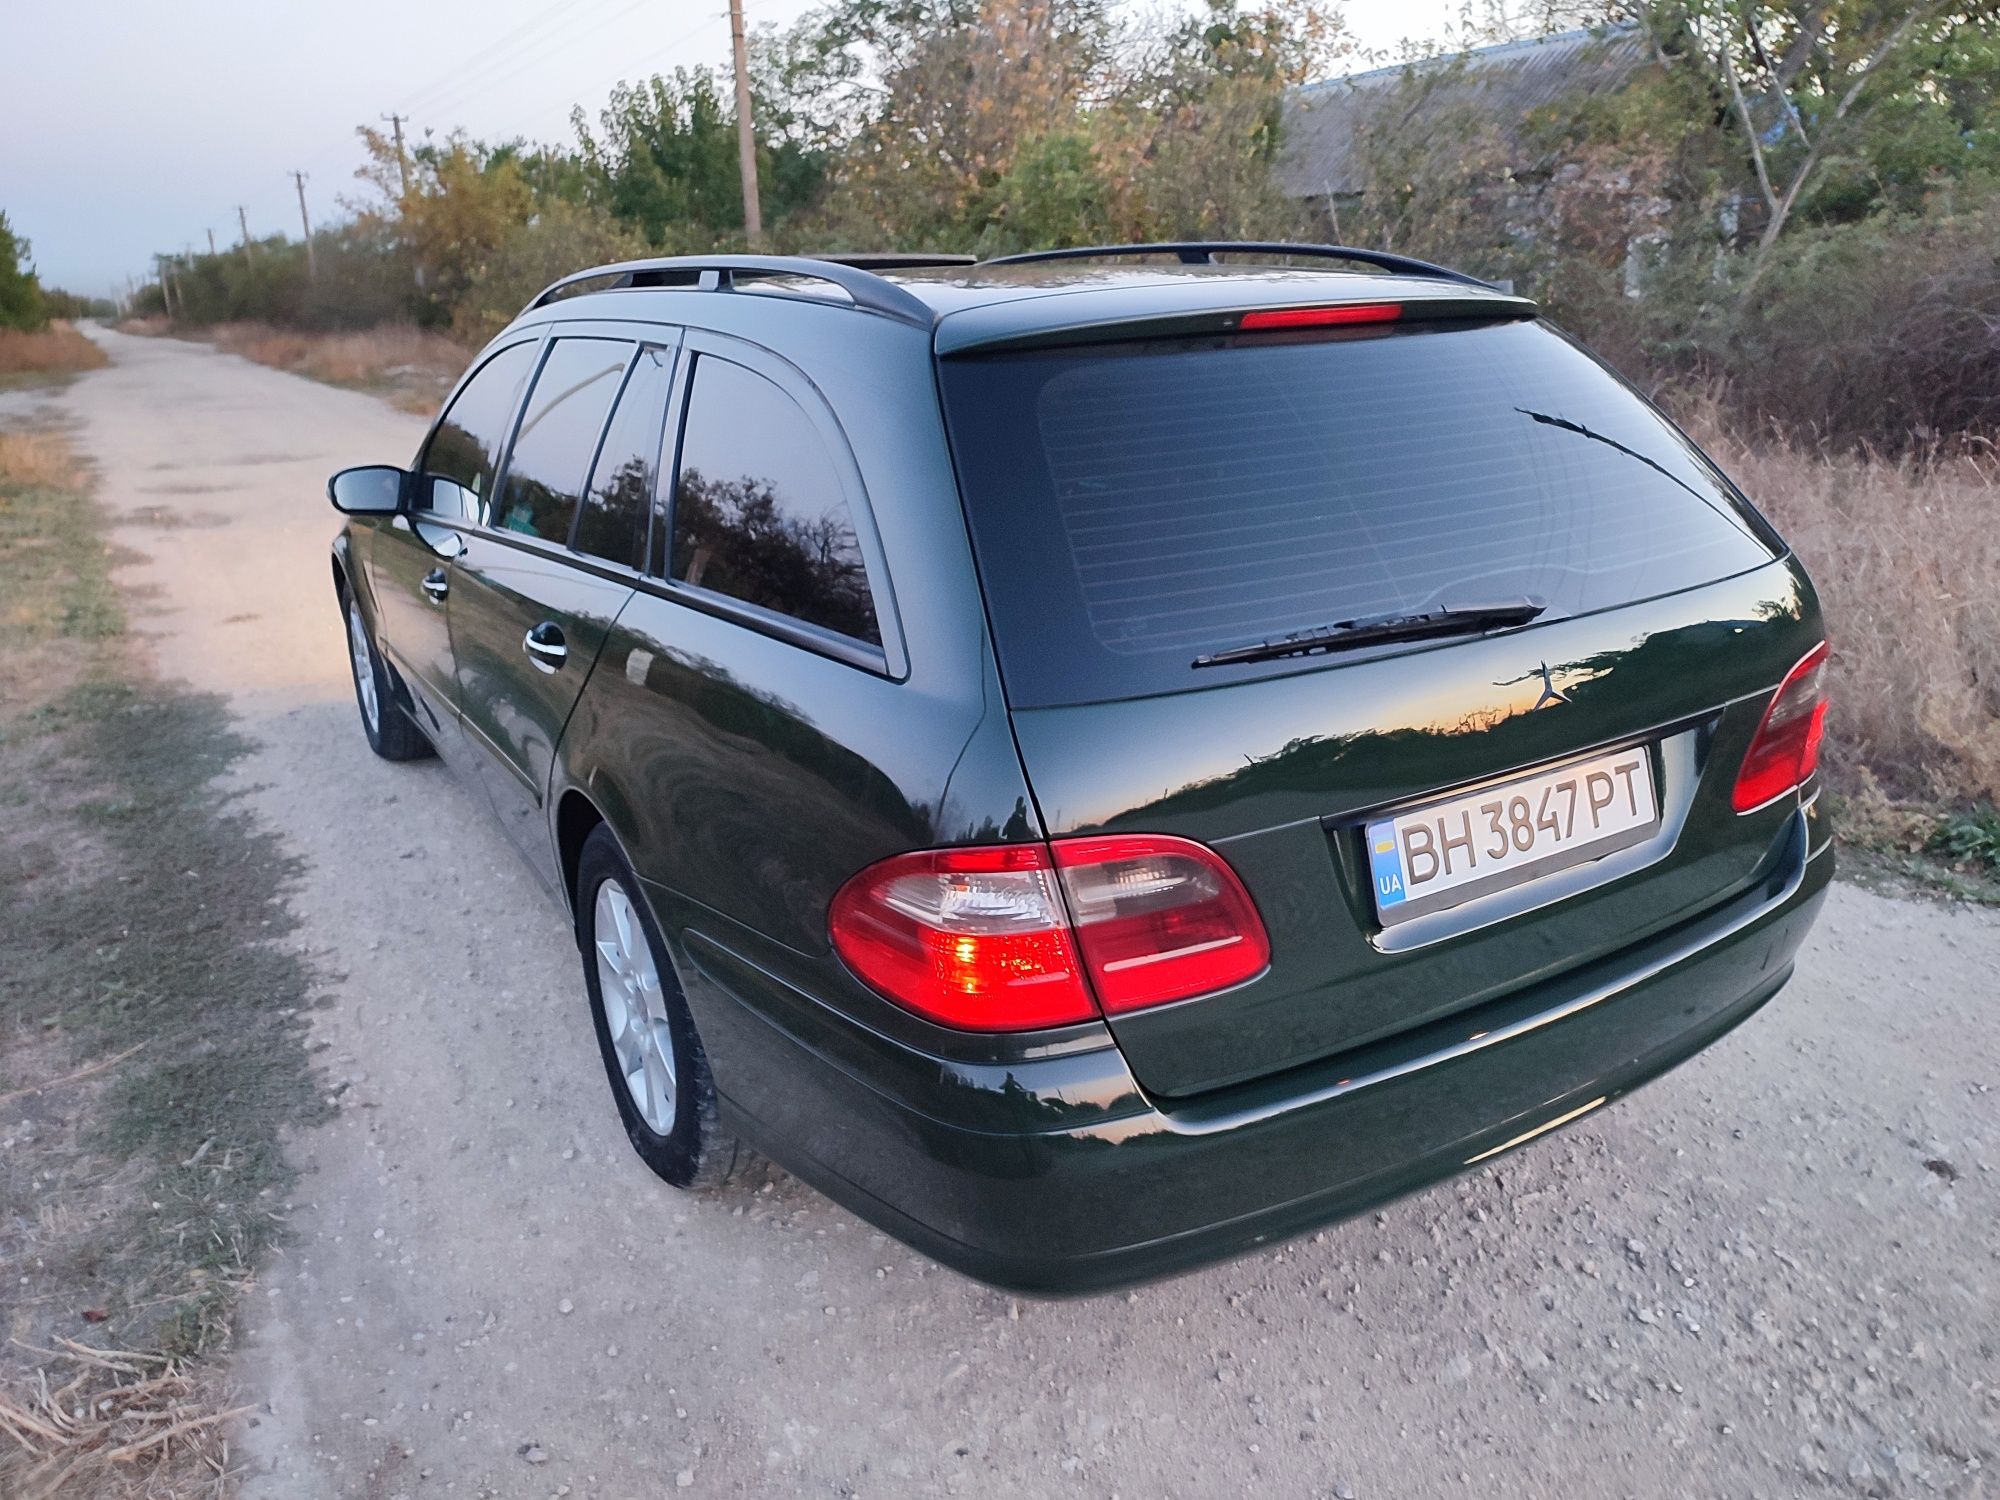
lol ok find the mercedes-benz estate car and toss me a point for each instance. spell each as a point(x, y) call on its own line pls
point(1101, 760)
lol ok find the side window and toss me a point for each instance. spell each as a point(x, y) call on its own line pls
point(458, 465)
point(612, 523)
point(558, 435)
point(759, 512)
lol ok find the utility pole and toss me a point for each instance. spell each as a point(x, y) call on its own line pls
point(161, 263)
point(305, 224)
point(746, 131)
point(402, 161)
point(211, 242)
point(249, 256)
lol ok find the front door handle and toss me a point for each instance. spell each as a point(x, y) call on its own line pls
point(545, 646)
point(436, 585)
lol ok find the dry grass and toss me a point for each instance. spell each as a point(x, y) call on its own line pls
point(142, 1016)
point(37, 458)
point(1906, 554)
point(57, 350)
point(398, 360)
point(108, 1422)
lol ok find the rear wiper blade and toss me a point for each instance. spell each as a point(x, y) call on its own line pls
point(1371, 630)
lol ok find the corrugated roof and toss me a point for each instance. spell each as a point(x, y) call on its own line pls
point(1506, 82)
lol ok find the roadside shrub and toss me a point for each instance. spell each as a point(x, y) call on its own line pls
point(1971, 838)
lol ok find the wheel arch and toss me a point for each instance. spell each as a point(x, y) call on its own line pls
point(576, 817)
point(580, 807)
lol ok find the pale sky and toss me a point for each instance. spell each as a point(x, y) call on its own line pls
point(127, 128)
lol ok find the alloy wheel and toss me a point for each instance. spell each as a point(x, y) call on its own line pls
point(635, 1009)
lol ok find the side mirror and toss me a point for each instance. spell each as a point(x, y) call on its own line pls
point(371, 490)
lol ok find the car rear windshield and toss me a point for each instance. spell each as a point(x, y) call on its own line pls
point(1135, 506)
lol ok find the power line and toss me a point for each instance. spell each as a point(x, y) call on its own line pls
point(479, 60)
point(492, 80)
point(626, 70)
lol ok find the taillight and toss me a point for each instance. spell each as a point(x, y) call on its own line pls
point(1158, 919)
point(1322, 317)
point(1784, 752)
point(973, 938)
point(980, 938)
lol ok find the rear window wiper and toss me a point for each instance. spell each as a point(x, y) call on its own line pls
point(1370, 630)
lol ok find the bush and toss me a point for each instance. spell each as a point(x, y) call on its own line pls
point(1884, 333)
point(562, 238)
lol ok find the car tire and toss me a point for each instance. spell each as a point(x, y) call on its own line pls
point(391, 733)
point(653, 1057)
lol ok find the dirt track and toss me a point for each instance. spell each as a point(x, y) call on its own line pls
point(1776, 1272)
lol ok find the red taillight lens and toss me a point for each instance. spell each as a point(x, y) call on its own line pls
point(1159, 919)
point(1785, 750)
point(980, 938)
point(1322, 317)
point(972, 938)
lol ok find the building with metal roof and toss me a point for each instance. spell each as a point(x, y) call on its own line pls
point(1502, 84)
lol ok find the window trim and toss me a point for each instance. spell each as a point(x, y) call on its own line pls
point(486, 520)
point(890, 659)
point(670, 347)
point(505, 446)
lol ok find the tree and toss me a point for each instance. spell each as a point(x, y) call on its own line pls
point(940, 97)
point(1803, 83)
point(21, 302)
point(663, 157)
point(464, 198)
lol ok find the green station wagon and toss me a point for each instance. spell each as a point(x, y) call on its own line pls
point(1098, 760)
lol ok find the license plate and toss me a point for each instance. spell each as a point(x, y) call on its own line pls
point(1450, 852)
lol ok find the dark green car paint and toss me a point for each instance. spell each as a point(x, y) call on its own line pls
point(747, 771)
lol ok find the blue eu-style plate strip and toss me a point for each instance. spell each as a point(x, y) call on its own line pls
point(1385, 862)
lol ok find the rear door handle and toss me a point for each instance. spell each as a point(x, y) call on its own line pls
point(436, 585)
point(545, 646)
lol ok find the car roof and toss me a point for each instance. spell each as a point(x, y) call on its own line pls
point(962, 307)
point(955, 289)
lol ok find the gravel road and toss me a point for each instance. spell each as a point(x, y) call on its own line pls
point(1772, 1273)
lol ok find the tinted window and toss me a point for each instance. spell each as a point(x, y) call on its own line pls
point(463, 451)
point(760, 513)
point(1133, 507)
point(558, 437)
point(612, 522)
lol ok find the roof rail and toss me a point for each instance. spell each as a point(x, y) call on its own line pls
point(896, 260)
point(1203, 253)
point(710, 273)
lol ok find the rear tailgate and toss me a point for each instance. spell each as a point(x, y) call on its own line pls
point(1280, 776)
point(1138, 506)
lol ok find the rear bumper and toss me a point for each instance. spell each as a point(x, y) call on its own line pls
point(1089, 1194)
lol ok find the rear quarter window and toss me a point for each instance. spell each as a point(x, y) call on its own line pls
point(760, 514)
point(1135, 506)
